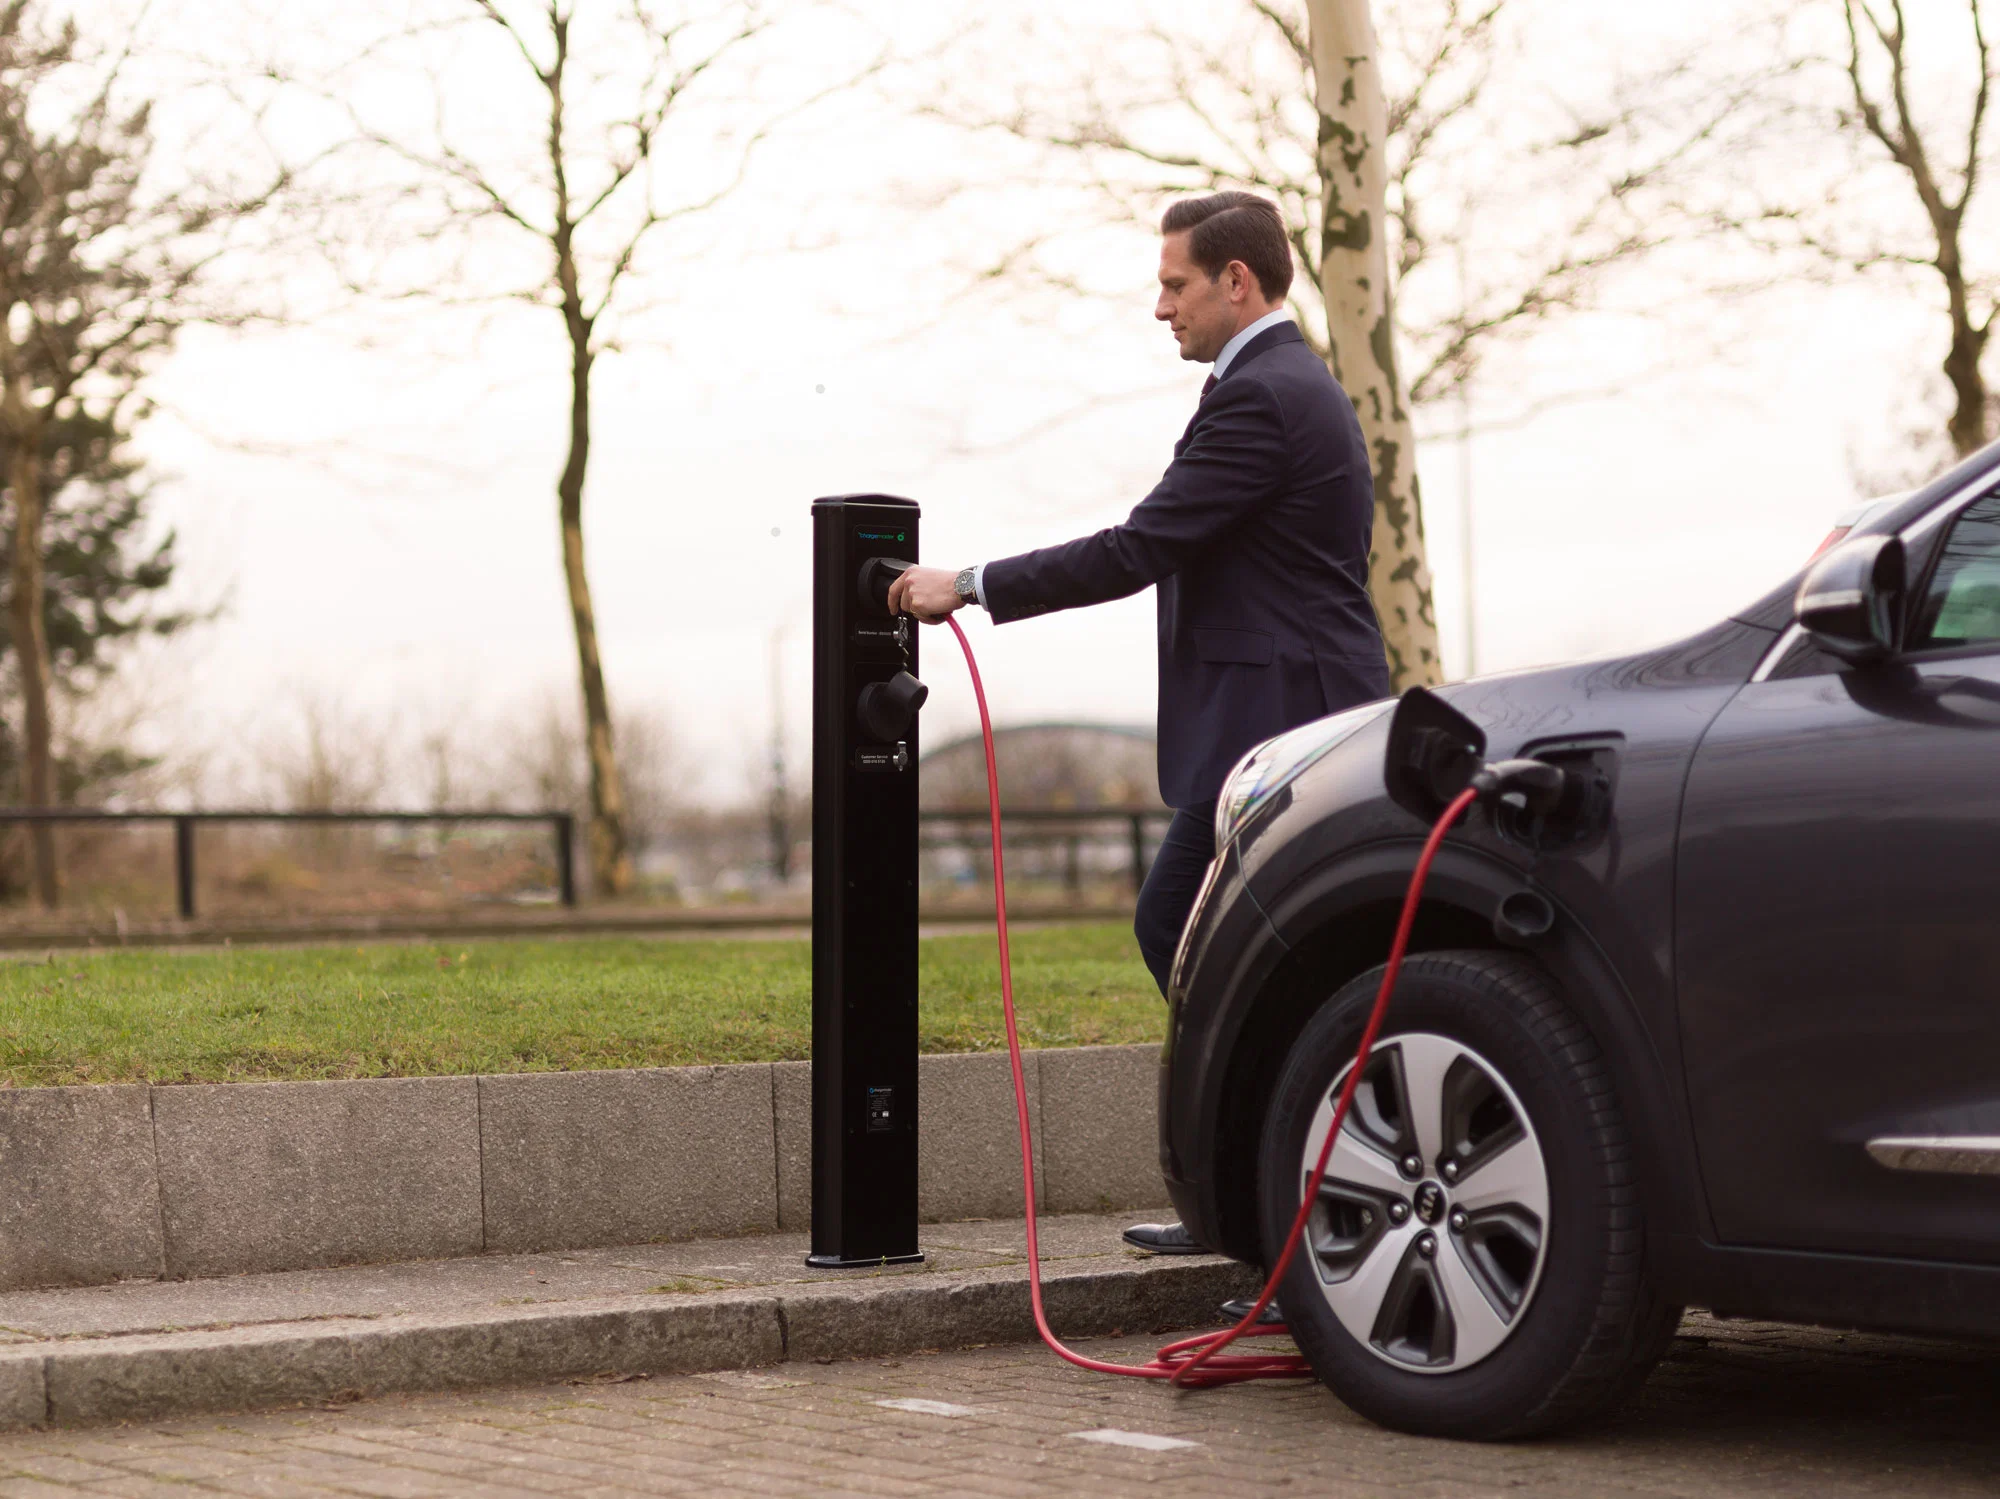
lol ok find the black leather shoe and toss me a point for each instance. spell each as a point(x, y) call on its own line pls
point(1239, 1308)
point(1162, 1238)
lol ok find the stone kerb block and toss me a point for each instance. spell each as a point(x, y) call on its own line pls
point(968, 1148)
point(24, 1394)
point(149, 1377)
point(791, 1104)
point(285, 1176)
point(576, 1159)
point(1100, 1137)
point(79, 1195)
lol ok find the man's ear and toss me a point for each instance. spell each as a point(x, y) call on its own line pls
point(1240, 280)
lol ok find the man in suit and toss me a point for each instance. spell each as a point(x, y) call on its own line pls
point(1256, 539)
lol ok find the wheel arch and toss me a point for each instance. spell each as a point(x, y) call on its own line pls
point(1337, 923)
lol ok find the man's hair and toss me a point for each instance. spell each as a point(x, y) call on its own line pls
point(1235, 226)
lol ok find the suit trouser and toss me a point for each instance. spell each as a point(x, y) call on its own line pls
point(1167, 897)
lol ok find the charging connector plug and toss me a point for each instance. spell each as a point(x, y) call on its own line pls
point(1534, 786)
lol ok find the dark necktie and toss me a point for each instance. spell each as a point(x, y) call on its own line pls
point(1206, 386)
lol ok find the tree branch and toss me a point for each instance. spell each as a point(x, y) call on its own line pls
point(1969, 181)
point(493, 13)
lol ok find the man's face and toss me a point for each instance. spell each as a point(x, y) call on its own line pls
point(1201, 311)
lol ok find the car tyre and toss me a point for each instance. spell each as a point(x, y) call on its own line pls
point(1585, 1324)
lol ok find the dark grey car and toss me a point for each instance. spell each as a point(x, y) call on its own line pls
point(1732, 1041)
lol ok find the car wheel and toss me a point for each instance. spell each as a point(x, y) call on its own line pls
point(1474, 1265)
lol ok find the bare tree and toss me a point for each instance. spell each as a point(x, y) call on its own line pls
point(329, 757)
point(100, 270)
point(1903, 193)
point(1590, 186)
point(600, 180)
point(1602, 178)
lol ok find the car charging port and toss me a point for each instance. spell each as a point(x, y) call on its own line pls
point(1533, 786)
point(1553, 798)
point(1577, 819)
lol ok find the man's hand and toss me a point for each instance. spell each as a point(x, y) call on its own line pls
point(930, 593)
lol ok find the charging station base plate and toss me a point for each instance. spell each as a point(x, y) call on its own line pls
point(835, 1262)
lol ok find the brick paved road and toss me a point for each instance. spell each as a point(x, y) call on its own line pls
point(1736, 1410)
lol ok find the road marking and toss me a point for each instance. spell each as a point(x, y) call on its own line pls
point(1145, 1441)
point(928, 1407)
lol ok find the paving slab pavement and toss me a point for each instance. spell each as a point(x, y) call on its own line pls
point(1736, 1411)
point(494, 1282)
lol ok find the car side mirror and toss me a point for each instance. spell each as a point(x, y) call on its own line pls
point(1851, 599)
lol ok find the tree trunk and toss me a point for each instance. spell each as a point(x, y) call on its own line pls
point(1969, 419)
point(1970, 413)
point(31, 639)
point(1360, 324)
point(610, 857)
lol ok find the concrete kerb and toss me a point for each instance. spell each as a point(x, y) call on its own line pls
point(968, 1137)
point(258, 1176)
point(147, 1378)
point(1100, 1135)
point(79, 1187)
point(871, 1320)
point(576, 1159)
point(791, 1122)
point(24, 1391)
point(157, 1376)
point(108, 1183)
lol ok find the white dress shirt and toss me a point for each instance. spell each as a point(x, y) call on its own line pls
point(1222, 362)
point(1235, 345)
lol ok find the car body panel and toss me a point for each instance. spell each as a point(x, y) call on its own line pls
point(1332, 853)
point(1305, 896)
point(1840, 861)
point(1839, 950)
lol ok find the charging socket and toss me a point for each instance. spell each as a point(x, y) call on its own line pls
point(1582, 816)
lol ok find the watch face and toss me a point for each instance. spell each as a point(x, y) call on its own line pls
point(963, 584)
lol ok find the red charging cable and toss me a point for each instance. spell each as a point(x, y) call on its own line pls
point(1199, 1361)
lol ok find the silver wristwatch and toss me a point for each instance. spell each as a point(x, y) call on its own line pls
point(964, 587)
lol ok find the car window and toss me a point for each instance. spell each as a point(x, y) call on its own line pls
point(1962, 604)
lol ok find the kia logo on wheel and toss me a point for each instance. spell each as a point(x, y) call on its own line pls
point(1430, 1202)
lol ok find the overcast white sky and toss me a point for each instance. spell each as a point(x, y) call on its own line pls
point(389, 539)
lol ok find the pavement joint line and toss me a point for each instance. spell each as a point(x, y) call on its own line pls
point(243, 1324)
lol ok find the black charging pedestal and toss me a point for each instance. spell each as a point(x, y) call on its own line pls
point(864, 1025)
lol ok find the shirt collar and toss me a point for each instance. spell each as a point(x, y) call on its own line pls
point(1235, 345)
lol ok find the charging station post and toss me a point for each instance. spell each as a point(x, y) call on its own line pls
point(864, 966)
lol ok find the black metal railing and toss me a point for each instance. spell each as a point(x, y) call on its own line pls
point(1134, 829)
point(1053, 825)
point(560, 824)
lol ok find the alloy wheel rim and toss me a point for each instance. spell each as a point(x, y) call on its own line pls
point(1431, 1226)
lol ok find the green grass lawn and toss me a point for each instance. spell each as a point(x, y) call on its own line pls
point(523, 1006)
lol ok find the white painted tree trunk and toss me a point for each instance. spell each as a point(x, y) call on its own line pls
point(1360, 323)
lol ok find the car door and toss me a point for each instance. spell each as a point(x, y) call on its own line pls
point(1837, 930)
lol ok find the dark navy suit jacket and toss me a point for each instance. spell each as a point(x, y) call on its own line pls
point(1257, 538)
